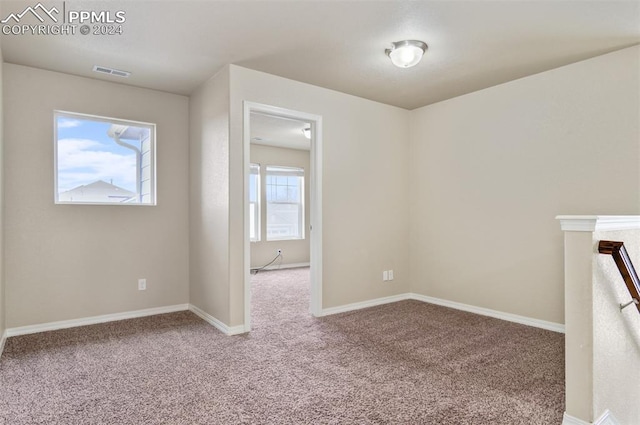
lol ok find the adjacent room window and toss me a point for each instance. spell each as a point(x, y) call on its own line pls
point(254, 203)
point(101, 160)
point(285, 203)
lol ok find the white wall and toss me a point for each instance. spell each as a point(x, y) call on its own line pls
point(72, 261)
point(209, 196)
point(293, 251)
point(490, 170)
point(364, 188)
point(2, 284)
point(475, 181)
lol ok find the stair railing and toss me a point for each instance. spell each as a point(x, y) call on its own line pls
point(625, 266)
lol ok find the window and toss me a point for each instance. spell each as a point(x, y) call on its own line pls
point(102, 160)
point(254, 203)
point(285, 203)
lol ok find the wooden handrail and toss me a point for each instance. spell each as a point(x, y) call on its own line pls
point(628, 272)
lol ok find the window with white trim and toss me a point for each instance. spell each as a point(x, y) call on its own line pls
point(285, 203)
point(100, 160)
point(254, 202)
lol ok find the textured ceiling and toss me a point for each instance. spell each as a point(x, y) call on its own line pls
point(176, 45)
point(270, 130)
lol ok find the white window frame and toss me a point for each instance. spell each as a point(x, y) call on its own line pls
point(274, 170)
point(149, 184)
point(254, 170)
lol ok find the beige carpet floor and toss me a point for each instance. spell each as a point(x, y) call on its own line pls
point(402, 363)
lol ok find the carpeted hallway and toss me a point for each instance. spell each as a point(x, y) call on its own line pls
point(402, 363)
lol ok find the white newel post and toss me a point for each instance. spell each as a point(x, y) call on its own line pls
point(591, 305)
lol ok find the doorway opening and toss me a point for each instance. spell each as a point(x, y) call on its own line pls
point(283, 196)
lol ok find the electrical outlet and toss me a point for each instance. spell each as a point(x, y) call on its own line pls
point(385, 275)
point(142, 284)
point(390, 274)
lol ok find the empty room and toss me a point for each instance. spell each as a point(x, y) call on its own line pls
point(320, 212)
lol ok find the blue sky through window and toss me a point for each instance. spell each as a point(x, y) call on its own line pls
point(87, 154)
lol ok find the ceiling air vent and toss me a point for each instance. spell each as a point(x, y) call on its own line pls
point(111, 71)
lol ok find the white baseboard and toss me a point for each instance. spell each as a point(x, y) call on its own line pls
point(606, 418)
point(286, 266)
point(228, 330)
point(64, 324)
point(236, 330)
point(551, 326)
point(570, 420)
point(3, 339)
point(364, 304)
point(523, 320)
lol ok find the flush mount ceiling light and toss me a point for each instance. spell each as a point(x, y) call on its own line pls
point(406, 53)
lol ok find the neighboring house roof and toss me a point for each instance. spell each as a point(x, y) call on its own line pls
point(98, 191)
point(128, 132)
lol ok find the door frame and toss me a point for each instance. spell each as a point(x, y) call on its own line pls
point(314, 229)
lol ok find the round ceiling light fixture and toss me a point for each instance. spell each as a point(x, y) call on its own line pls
point(406, 53)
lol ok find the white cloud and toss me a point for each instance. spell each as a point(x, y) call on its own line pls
point(80, 162)
point(68, 123)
